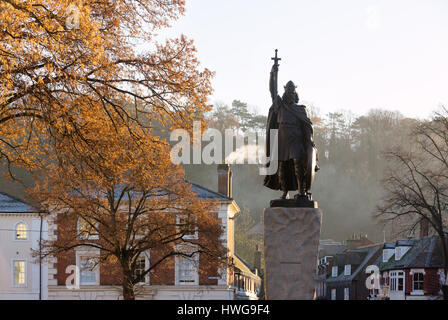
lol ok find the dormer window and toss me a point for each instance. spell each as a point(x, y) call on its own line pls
point(334, 271)
point(387, 253)
point(347, 270)
point(397, 253)
point(400, 252)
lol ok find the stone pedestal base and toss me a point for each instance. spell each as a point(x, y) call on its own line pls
point(291, 244)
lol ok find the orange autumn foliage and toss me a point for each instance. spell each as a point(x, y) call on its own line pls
point(132, 198)
point(60, 58)
point(77, 105)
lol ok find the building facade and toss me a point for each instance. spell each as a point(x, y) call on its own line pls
point(412, 269)
point(22, 277)
point(348, 272)
point(180, 278)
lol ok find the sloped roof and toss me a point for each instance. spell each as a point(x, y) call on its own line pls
point(202, 192)
point(389, 245)
point(244, 266)
point(330, 249)
point(405, 243)
point(379, 262)
point(425, 253)
point(207, 194)
point(357, 258)
point(9, 204)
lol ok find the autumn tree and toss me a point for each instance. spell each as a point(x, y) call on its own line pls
point(128, 195)
point(77, 105)
point(59, 58)
point(416, 182)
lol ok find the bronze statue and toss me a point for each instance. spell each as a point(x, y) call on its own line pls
point(297, 153)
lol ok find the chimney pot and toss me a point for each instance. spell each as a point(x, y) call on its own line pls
point(424, 228)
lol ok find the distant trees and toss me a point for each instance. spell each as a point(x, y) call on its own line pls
point(239, 109)
point(237, 117)
point(350, 155)
point(416, 181)
point(222, 118)
point(246, 237)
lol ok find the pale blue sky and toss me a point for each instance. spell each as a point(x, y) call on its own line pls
point(344, 54)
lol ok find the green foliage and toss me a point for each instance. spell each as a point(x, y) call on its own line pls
point(237, 117)
point(239, 109)
point(246, 237)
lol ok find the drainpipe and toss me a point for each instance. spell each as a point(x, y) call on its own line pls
point(40, 255)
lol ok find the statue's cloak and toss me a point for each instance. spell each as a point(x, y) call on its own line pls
point(272, 181)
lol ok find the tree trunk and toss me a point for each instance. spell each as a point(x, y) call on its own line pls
point(128, 287)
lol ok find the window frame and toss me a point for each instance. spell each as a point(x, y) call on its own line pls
point(395, 277)
point(146, 257)
point(347, 270)
point(27, 231)
point(334, 271)
point(192, 236)
point(195, 271)
point(346, 293)
point(413, 273)
point(86, 237)
point(13, 278)
point(86, 253)
point(333, 294)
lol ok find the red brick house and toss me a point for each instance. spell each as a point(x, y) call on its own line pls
point(175, 278)
point(412, 269)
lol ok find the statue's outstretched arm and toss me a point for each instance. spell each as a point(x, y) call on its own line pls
point(273, 83)
point(276, 100)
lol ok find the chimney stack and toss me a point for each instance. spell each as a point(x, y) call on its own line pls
point(225, 180)
point(424, 228)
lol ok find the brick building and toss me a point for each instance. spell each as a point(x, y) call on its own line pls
point(346, 277)
point(412, 269)
point(176, 278)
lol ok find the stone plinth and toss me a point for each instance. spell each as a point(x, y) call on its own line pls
point(291, 244)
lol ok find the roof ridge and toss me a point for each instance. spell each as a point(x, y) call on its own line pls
point(209, 190)
point(31, 206)
point(13, 197)
point(371, 245)
point(242, 260)
point(368, 256)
